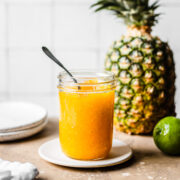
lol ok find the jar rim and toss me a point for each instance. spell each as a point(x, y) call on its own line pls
point(103, 77)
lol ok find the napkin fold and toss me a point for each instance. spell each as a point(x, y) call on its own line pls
point(17, 171)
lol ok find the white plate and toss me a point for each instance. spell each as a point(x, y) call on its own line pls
point(11, 136)
point(15, 116)
point(51, 152)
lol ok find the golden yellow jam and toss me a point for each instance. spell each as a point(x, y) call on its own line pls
point(86, 122)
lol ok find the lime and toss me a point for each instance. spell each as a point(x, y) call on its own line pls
point(167, 135)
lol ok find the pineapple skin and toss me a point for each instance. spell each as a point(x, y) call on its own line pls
point(145, 73)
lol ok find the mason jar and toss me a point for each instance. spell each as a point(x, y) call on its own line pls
point(86, 114)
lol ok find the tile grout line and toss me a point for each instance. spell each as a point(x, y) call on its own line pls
point(72, 3)
point(52, 41)
point(65, 2)
point(32, 94)
point(32, 4)
point(87, 49)
point(53, 75)
point(98, 40)
point(174, 4)
point(7, 50)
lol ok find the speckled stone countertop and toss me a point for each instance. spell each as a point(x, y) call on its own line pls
point(147, 162)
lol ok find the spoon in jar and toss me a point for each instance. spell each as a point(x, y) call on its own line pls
point(52, 57)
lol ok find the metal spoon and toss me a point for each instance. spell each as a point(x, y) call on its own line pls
point(51, 56)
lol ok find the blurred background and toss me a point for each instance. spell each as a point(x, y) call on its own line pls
point(77, 36)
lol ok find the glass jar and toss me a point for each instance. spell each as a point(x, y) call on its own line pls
point(86, 114)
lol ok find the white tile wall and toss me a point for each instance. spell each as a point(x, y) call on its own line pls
point(77, 59)
point(30, 72)
point(177, 57)
point(170, 2)
point(29, 25)
point(3, 72)
point(75, 27)
point(3, 25)
point(79, 37)
point(111, 29)
point(74, 60)
point(73, 2)
point(168, 27)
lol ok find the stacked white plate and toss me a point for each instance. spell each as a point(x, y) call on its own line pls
point(20, 120)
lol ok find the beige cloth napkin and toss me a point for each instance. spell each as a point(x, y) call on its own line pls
point(17, 171)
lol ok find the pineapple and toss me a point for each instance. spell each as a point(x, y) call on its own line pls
point(144, 68)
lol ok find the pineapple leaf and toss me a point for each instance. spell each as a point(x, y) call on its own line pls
point(134, 12)
point(155, 5)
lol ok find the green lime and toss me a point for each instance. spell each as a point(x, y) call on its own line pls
point(167, 135)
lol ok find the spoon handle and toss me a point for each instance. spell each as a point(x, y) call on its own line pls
point(50, 55)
